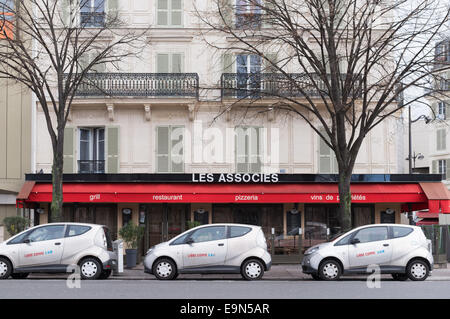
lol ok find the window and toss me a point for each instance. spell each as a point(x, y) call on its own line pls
point(442, 52)
point(248, 69)
point(441, 142)
point(169, 149)
point(169, 63)
point(169, 13)
point(238, 231)
point(92, 13)
point(327, 157)
point(19, 239)
point(344, 241)
point(6, 17)
point(401, 231)
point(387, 217)
point(47, 233)
point(371, 234)
point(208, 234)
point(248, 149)
point(248, 14)
point(293, 221)
point(180, 240)
point(201, 216)
point(442, 168)
point(441, 111)
point(77, 230)
point(92, 150)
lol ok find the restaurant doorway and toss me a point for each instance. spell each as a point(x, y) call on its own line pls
point(163, 222)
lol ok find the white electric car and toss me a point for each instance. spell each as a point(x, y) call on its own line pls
point(400, 250)
point(52, 248)
point(212, 249)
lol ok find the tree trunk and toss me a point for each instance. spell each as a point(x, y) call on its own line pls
point(345, 201)
point(56, 206)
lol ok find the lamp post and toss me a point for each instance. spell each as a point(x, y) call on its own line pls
point(410, 157)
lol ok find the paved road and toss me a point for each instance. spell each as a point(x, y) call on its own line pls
point(221, 289)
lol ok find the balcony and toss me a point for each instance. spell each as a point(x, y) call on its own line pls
point(91, 167)
point(139, 85)
point(261, 85)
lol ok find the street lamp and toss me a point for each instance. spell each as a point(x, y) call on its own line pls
point(418, 156)
point(410, 157)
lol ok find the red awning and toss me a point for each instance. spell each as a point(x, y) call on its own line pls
point(227, 193)
point(438, 197)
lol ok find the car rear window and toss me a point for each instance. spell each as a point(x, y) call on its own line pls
point(238, 231)
point(401, 231)
point(77, 230)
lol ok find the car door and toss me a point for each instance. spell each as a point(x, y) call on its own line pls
point(370, 246)
point(205, 247)
point(43, 246)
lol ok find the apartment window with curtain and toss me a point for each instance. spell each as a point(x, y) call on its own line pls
point(441, 111)
point(169, 13)
point(248, 14)
point(91, 150)
point(441, 142)
point(92, 13)
point(170, 149)
point(249, 149)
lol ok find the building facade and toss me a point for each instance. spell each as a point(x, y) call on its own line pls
point(169, 145)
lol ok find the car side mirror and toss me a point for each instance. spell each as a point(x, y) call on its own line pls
point(189, 241)
point(27, 241)
point(355, 241)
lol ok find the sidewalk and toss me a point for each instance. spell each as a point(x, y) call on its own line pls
point(290, 272)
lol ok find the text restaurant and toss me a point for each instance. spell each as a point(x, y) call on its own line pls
point(295, 211)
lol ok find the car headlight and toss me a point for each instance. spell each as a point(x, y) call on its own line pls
point(311, 250)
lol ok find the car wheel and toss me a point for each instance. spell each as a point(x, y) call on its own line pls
point(90, 269)
point(5, 268)
point(330, 270)
point(21, 275)
point(165, 269)
point(105, 274)
point(417, 270)
point(252, 269)
point(400, 277)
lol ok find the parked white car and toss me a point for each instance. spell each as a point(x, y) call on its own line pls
point(211, 249)
point(400, 250)
point(52, 248)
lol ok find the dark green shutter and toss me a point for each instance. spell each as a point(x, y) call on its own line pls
point(112, 160)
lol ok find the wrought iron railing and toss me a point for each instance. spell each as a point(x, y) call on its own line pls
point(260, 85)
point(139, 84)
point(91, 166)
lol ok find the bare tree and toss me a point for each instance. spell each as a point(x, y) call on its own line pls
point(341, 65)
point(50, 47)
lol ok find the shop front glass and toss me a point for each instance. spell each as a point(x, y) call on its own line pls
point(92, 214)
point(321, 223)
point(270, 218)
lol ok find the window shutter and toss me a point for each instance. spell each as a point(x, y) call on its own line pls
point(162, 149)
point(268, 66)
point(268, 14)
point(434, 169)
point(177, 149)
point(447, 169)
point(176, 13)
point(226, 8)
point(177, 63)
point(447, 110)
point(69, 150)
point(227, 63)
point(112, 10)
point(254, 137)
point(162, 12)
point(162, 63)
point(241, 150)
point(112, 135)
point(325, 156)
point(443, 139)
